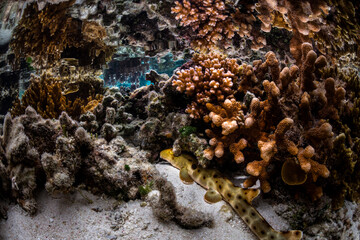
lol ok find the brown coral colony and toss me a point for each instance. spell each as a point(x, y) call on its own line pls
point(278, 124)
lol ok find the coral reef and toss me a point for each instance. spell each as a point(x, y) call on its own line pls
point(340, 34)
point(265, 111)
point(51, 93)
point(48, 34)
point(59, 154)
point(291, 122)
point(302, 18)
point(210, 79)
point(213, 24)
point(149, 117)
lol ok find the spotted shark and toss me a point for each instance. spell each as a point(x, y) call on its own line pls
point(220, 188)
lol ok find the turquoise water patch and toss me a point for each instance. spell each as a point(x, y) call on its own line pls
point(130, 71)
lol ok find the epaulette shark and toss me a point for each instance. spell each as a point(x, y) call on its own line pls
point(220, 188)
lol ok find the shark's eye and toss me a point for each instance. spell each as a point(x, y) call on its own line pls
point(194, 166)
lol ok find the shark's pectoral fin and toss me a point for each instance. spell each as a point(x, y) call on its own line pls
point(212, 196)
point(185, 177)
point(250, 194)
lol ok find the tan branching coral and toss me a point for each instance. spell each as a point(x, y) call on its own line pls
point(228, 116)
point(47, 95)
point(258, 169)
point(213, 23)
point(210, 79)
point(46, 34)
point(282, 142)
point(310, 166)
point(301, 17)
point(270, 113)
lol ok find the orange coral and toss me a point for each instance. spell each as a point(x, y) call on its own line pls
point(210, 79)
point(258, 169)
point(310, 166)
point(229, 116)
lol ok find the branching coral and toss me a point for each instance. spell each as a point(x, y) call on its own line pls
point(47, 34)
point(301, 17)
point(210, 79)
point(341, 33)
point(50, 95)
point(213, 23)
point(271, 113)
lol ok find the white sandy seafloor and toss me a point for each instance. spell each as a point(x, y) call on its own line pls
point(75, 217)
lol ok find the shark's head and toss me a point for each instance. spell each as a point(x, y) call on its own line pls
point(184, 160)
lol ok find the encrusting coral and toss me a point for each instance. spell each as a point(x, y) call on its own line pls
point(265, 111)
point(50, 33)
